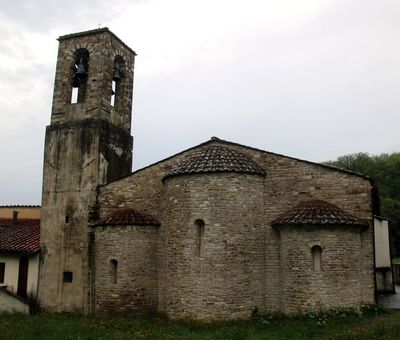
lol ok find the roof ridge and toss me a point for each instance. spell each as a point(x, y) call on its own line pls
point(223, 141)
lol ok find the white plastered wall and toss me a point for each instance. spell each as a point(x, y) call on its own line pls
point(11, 273)
point(382, 246)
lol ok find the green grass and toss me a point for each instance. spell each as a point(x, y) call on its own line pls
point(369, 324)
point(396, 260)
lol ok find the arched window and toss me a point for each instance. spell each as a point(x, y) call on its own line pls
point(114, 271)
point(199, 225)
point(316, 252)
point(117, 79)
point(80, 68)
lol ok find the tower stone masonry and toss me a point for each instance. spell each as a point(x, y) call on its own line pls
point(88, 143)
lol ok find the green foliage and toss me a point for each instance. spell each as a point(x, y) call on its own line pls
point(368, 323)
point(385, 170)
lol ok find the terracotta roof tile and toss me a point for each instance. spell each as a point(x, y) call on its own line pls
point(318, 212)
point(215, 158)
point(126, 217)
point(20, 237)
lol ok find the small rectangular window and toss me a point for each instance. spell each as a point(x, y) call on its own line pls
point(66, 219)
point(67, 277)
point(2, 271)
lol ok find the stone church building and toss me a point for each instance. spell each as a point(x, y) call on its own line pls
point(220, 230)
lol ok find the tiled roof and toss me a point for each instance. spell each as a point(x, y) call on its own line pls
point(126, 217)
point(20, 237)
point(216, 158)
point(318, 212)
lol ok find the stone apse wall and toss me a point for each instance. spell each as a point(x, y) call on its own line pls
point(132, 250)
point(241, 265)
point(338, 282)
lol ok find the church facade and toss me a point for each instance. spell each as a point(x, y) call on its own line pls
point(220, 230)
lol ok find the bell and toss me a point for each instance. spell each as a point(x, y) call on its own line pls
point(76, 82)
point(80, 71)
point(117, 75)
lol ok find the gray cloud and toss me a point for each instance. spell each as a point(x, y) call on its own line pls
point(47, 14)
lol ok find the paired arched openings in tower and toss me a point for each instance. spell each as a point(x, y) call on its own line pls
point(80, 69)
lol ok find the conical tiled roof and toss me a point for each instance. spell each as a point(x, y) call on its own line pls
point(318, 212)
point(126, 217)
point(216, 158)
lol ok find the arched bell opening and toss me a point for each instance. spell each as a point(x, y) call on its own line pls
point(117, 80)
point(79, 75)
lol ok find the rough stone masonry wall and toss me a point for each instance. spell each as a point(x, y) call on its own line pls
point(224, 276)
point(337, 284)
point(143, 191)
point(290, 181)
point(135, 250)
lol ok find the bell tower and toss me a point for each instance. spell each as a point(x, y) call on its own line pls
point(88, 143)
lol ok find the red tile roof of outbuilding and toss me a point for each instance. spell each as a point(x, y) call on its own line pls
point(20, 237)
point(318, 212)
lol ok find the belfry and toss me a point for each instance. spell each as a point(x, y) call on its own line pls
point(88, 143)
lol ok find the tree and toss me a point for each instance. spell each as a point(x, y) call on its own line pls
point(385, 170)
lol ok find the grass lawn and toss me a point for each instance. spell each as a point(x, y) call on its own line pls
point(369, 324)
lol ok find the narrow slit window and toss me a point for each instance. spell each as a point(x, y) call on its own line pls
point(2, 271)
point(199, 225)
point(316, 252)
point(114, 271)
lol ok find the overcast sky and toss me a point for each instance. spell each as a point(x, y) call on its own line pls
point(312, 79)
